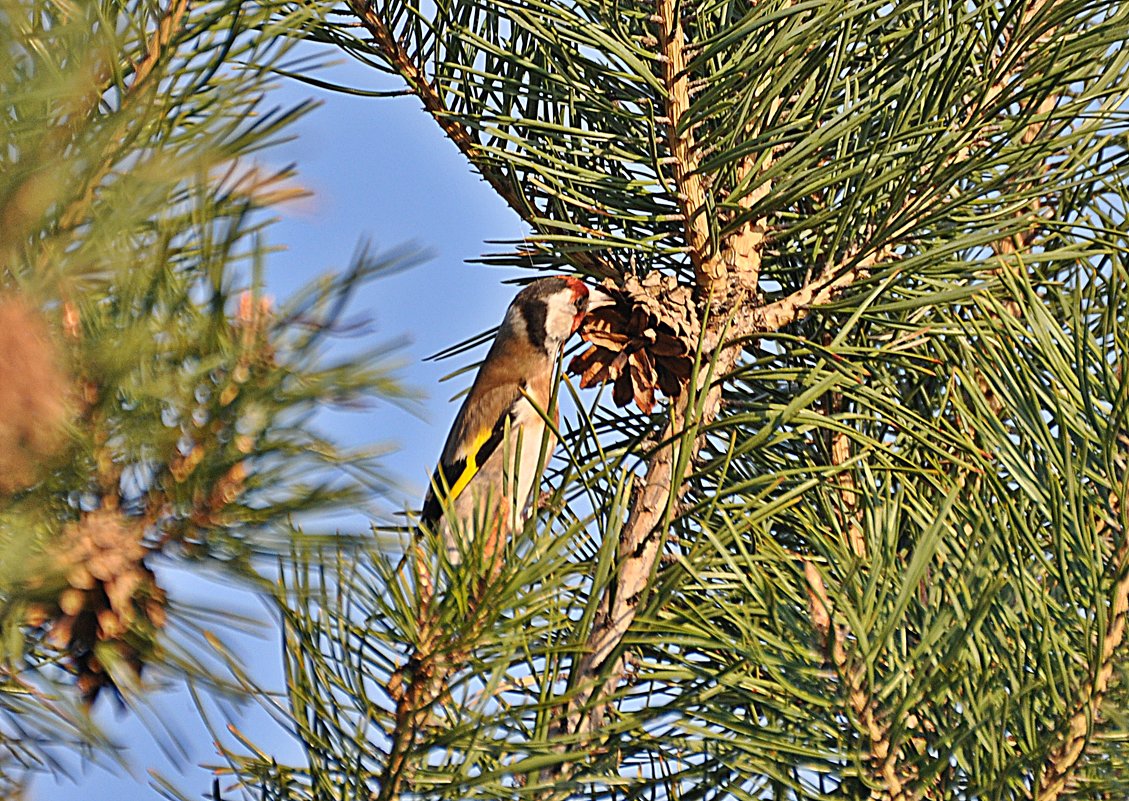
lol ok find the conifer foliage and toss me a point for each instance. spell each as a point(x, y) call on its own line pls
point(875, 547)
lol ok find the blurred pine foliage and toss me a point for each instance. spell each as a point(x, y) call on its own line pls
point(155, 403)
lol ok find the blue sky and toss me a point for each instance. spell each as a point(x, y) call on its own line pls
point(380, 171)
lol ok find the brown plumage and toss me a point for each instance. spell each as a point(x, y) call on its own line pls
point(489, 466)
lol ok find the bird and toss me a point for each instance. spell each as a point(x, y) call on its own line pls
point(490, 462)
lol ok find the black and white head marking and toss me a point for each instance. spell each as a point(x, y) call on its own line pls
point(534, 314)
point(548, 311)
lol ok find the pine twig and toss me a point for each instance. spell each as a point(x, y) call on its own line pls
point(741, 251)
point(840, 453)
point(888, 781)
point(169, 25)
point(422, 681)
point(1059, 767)
point(418, 83)
point(688, 183)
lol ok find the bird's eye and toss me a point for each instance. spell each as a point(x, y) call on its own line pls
point(582, 303)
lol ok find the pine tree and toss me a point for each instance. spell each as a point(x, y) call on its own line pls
point(872, 542)
point(155, 403)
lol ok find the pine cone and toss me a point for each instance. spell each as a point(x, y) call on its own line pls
point(645, 340)
point(111, 605)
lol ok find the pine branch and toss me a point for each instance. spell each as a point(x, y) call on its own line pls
point(688, 184)
point(839, 448)
point(415, 687)
point(1012, 50)
point(1062, 763)
point(27, 203)
point(886, 772)
point(129, 230)
point(738, 265)
point(887, 780)
point(642, 538)
point(741, 251)
point(438, 652)
point(869, 172)
point(817, 292)
point(419, 84)
point(169, 25)
point(639, 546)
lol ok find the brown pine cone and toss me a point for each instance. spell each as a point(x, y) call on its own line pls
point(645, 340)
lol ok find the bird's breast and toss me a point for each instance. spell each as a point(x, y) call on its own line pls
point(531, 444)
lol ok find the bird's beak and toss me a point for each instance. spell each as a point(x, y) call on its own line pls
point(598, 298)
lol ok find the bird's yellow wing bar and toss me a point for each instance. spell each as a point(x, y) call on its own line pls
point(451, 479)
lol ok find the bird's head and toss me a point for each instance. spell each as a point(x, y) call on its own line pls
point(550, 310)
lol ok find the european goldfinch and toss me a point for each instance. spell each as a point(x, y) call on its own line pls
point(489, 466)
